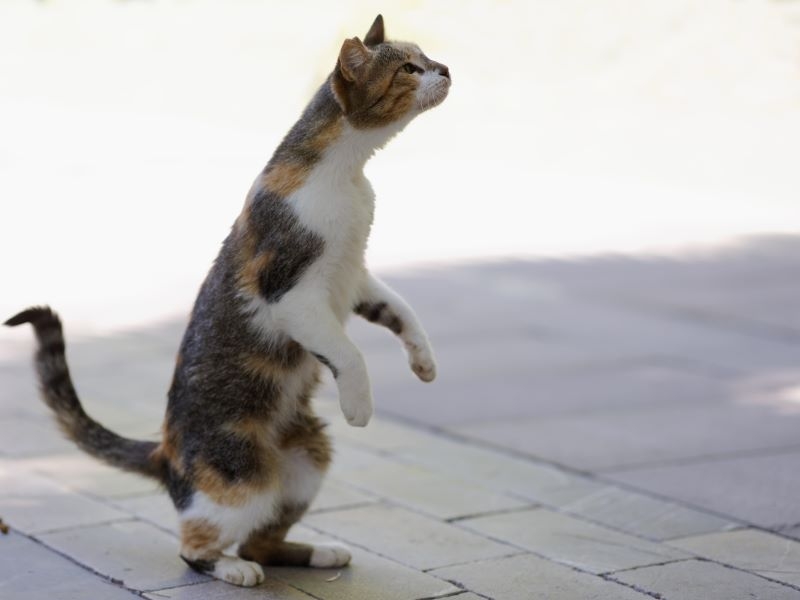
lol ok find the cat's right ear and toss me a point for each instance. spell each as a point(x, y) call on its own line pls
point(353, 56)
point(376, 34)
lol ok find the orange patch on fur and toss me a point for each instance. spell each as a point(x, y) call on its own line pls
point(168, 450)
point(284, 178)
point(250, 272)
point(308, 433)
point(207, 480)
point(198, 537)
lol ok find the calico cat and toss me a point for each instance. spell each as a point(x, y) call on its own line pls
point(242, 453)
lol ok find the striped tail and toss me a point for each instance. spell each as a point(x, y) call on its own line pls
point(59, 394)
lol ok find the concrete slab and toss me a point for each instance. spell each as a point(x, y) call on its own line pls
point(757, 489)
point(336, 494)
point(143, 557)
point(644, 435)
point(30, 571)
point(271, 589)
point(84, 474)
point(537, 482)
point(155, 508)
point(524, 576)
point(34, 504)
point(645, 516)
point(368, 577)
point(435, 494)
point(407, 537)
point(567, 540)
point(706, 580)
point(769, 555)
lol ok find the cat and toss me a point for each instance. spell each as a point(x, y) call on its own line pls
point(242, 453)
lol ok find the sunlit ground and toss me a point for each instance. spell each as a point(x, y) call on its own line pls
point(132, 130)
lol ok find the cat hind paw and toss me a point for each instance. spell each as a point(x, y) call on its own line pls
point(326, 556)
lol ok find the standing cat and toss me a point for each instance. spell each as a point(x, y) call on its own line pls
point(242, 453)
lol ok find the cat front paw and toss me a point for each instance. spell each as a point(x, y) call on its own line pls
point(422, 363)
point(358, 411)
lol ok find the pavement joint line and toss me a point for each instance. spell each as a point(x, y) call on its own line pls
point(702, 316)
point(391, 500)
point(703, 458)
point(491, 513)
point(661, 564)
point(634, 587)
point(111, 580)
point(550, 558)
point(710, 370)
point(520, 552)
point(86, 525)
point(180, 585)
point(452, 595)
point(394, 560)
point(353, 505)
point(508, 453)
point(741, 570)
point(537, 503)
point(463, 589)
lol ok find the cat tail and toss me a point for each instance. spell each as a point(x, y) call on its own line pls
point(58, 392)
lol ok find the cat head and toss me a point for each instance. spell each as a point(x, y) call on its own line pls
point(378, 82)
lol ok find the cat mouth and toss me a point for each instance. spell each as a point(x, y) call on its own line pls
point(434, 94)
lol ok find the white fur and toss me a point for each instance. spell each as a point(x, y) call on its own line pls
point(432, 90)
point(337, 202)
point(300, 479)
point(235, 522)
point(326, 556)
point(238, 571)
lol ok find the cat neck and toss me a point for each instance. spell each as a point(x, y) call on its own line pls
point(323, 132)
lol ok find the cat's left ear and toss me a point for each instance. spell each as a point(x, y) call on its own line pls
point(376, 34)
point(352, 58)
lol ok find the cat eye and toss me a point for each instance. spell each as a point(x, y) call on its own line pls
point(411, 68)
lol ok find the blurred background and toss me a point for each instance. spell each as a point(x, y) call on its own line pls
point(131, 131)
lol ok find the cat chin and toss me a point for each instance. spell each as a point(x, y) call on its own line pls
point(432, 91)
point(429, 100)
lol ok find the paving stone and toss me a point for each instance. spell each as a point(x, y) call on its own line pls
point(638, 436)
point(380, 434)
point(347, 458)
point(500, 472)
point(141, 556)
point(29, 571)
point(335, 494)
point(368, 576)
point(157, 509)
point(706, 580)
point(24, 436)
point(762, 490)
point(406, 537)
point(81, 472)
point(435, 494)
point(570, 541)
point(522, 393)
point(750, 550)
point(271, 589)
point(645, 516)
point(34, 504)
point(524, 577)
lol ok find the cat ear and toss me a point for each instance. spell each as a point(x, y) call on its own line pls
point(375, 35)
point(352, 57)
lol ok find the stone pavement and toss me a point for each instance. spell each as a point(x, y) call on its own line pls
point(611, 428)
